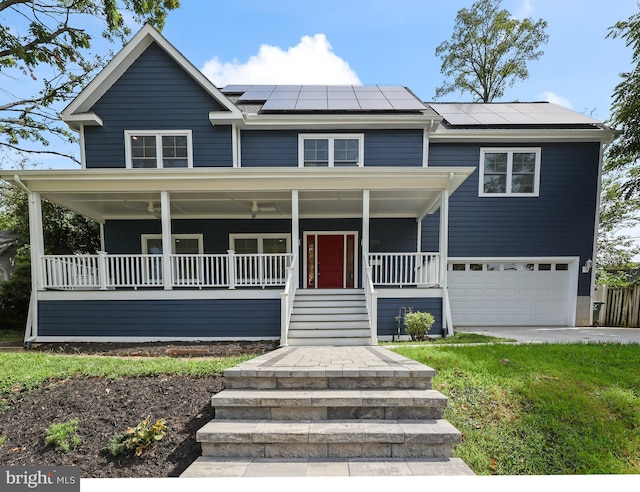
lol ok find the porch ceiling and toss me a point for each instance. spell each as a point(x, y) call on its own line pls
point(237, 193)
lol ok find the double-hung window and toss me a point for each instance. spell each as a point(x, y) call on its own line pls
point(158, 148)
point(509, 172)
point(335, 150)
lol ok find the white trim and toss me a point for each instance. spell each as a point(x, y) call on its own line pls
point(425, 148)
point(331, 233)
point(596, 227)
point(157, 133)
point(417, 293)
point(509, 177)
point(331, 138)
point(517, 135)
point(83, 150)
point(125, 58)
point(348, 121)
point(235, 146)
point(150, 339)
point(145, 237)
point(260, 236)
point(77, 121)
point(152, 295)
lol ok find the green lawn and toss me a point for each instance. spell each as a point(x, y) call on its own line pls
point(11, 336)
point(455, 339)
point(28, 370)
point(541, 409)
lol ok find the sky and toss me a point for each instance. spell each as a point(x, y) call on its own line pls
point(387, 43)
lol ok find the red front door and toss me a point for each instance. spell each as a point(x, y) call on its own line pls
point(330, 262)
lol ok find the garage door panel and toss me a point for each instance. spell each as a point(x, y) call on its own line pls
point(516, 294)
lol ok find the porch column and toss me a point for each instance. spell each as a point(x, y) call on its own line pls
point(444, 254)
point(36, 241)
point(295, 236)
point(365, 228)
point(167, 245)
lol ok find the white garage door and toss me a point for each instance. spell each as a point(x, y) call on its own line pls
point(522, 293)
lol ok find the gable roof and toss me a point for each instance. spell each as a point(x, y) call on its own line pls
point(78, 112)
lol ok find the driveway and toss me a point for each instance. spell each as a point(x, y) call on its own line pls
point(559, 334)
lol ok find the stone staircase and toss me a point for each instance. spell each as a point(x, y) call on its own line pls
point(333, 411)
point(329, 317)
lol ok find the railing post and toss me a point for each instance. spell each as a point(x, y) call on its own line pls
point(231, 268)
point(102, 269)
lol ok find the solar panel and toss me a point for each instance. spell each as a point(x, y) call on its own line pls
point(539, 113)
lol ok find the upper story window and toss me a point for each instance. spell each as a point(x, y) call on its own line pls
point(158, 148)
point(509, 172)
point(324, 150)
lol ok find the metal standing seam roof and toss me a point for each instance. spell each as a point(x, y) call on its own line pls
point(496, 114)
point(293, 98)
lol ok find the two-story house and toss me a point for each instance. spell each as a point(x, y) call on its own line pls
point(310, 214)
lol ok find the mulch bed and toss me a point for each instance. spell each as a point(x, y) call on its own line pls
point(106, 408)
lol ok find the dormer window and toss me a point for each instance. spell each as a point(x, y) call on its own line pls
point(335, 150)
point(148, 149)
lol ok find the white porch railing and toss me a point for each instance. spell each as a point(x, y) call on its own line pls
point(287, 298)
point(405, 269)
point(371, 297)
point(104, 271)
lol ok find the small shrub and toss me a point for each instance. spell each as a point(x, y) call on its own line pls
point(3, 439)
point(137, 438)
point(64, 435)
point(418, 324)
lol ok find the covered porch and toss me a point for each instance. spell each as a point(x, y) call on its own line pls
point(245, 234)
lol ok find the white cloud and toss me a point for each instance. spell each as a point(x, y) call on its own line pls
point(554, 98)
point(311, 61)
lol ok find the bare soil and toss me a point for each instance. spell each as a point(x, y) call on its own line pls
point(106, 408)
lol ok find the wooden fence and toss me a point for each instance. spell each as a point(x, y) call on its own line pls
point(621, 308)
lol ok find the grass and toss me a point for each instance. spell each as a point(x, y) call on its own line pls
point(549, 409)
point(11, 336)
point(28, 370)
point(455, 339)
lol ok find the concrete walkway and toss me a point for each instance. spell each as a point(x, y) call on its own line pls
point(540, 334)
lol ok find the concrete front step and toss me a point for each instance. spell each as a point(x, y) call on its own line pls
point(331, 308)
point(327, 382)
point(206, 467)
point(330, 331)
point(330, 342)
point(325, 439)
point(329, 404)
point(327, 316)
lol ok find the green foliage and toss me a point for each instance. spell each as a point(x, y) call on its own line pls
point(418, 324)
point(3, 439)
point(616, 249)
point(64, 232)
point(63, 435)
point(488, 51)
point(48, 42)
point(137, 438)
point(550, 409)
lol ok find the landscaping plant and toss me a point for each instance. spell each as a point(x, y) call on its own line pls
point(63, 435)
point(418, 324)
point(137, 438)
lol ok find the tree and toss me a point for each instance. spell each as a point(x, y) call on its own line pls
point(42, 45)
point(616, 249)
point(488, 51)
point(623, 154)
point(65, 232)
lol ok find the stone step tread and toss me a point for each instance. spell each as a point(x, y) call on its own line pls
point(326, 332)
point(327, 316)
point(329, 398)
point(335, 431)
point(331, 342)
point(418, 371)
point(350, 298)
point(205, 467)
point(320, 327)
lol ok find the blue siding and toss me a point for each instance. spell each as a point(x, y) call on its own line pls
point(269, 148)
point(123, 236)
point(560, 222)
point(388, 309)
point(232, 318)
point(155, 93)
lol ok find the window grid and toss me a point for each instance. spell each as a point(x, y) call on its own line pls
point(158, 149)
point(340, 150)
point(509, 172)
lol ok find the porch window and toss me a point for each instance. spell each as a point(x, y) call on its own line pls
point(250, 244)
point(509, 172)
point(158, 149)
point(181, 244)
point(323, 150)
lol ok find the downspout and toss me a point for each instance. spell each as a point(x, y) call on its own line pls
point(596, 226)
